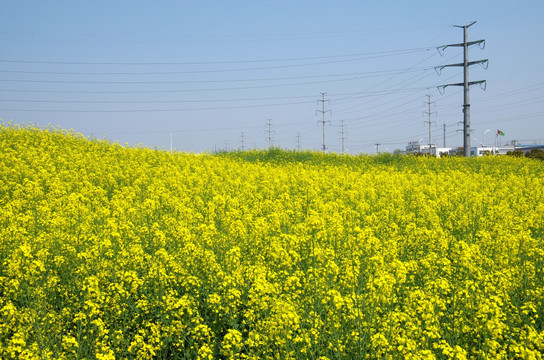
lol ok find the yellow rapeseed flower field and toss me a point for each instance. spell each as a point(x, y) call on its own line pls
point(110, 252)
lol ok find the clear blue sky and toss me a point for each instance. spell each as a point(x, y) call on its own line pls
point(206, 72)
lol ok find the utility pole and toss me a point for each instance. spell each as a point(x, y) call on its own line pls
point(377, 148)
point(242, 140)
point(466, 83)
point(323, 121)
point(429, 121)
point(269, 131)
point(298, 141)
point(444, 134)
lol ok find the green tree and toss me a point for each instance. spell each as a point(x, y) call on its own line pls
point(535, 154)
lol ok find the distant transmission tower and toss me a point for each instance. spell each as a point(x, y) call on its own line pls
point(323, 111)
point(466, 83)
point(269, 132)
point(342, 132)
point(429, 121)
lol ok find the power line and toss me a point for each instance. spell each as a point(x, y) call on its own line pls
point(205, 89)
point(387, 92)
point(359, 93)
point(380, 53)
point(367, 73)
point(72, 38)
point(148, 101)
point(151, 110)
point(168, 102)
point(248, 69)
point(163, 82)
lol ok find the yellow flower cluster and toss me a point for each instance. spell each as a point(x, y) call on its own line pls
point(111, 252)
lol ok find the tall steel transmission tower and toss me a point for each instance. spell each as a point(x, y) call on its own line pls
point(466, 83)
point(323, 111)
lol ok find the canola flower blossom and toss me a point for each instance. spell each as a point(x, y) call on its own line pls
point(111, 252)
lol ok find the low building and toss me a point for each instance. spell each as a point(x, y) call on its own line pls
point(491, 150)
point(414, 147)
point(439, 151)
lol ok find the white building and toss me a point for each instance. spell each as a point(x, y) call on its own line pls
point(414, 147)
point(491, 150)
point(439, 151)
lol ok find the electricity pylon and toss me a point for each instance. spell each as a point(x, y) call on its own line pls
point(323, 121)
point(466, 83)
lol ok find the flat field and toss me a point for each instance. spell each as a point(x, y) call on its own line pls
point(111, 252)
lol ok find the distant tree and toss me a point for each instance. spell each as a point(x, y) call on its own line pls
point(516, 153)
point(535, 154)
